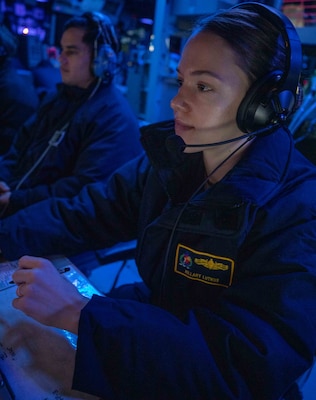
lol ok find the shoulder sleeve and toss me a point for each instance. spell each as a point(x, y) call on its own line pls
point(86, 222)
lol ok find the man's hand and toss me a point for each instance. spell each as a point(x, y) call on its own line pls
point(43, 294)
point(5, 193)
point(5, 198)
point(4, 187)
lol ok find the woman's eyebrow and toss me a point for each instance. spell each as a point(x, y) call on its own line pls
point(199, 72)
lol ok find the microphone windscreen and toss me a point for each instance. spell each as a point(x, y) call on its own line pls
point(175, 144)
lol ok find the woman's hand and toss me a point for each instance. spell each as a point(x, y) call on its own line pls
point(46, 296)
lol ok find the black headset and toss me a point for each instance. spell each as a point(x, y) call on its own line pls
point(272, 98)
point(106, 46)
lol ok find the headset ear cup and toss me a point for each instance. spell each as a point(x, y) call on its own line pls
point(259, 107)
point(104, 64)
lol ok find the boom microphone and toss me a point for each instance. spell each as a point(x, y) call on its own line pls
point(175, 143)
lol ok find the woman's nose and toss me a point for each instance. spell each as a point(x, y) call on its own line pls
point(178, 103)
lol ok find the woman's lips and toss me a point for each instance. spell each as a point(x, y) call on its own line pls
point(180, 126)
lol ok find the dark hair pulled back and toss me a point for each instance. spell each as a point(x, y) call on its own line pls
point(255, 40)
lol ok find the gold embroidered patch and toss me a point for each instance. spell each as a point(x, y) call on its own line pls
point(204, 267)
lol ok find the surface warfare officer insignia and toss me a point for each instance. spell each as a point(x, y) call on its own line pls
point(204, 267)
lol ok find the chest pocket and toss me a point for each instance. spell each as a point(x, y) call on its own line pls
point(187, 260)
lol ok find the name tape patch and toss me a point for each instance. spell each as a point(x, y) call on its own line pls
point(204, 267)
